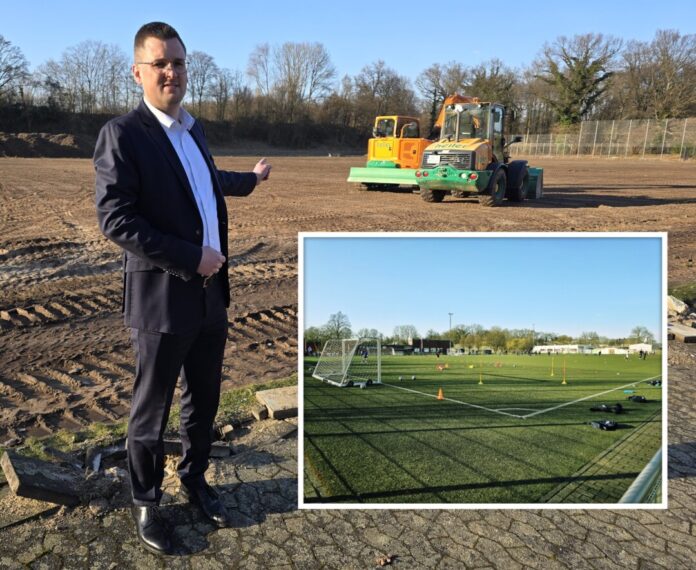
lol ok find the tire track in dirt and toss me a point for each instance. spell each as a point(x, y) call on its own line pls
point(96, 387)
point(70, 305)
point(26, 263)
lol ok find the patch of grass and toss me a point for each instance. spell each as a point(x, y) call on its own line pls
point(235, 404)
point(686, 293)
point(388, 445)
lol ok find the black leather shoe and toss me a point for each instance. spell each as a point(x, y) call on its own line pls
point(151, 529)
point(209, 502)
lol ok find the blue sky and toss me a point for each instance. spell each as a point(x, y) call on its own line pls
point(564, 285)
point(414, 36)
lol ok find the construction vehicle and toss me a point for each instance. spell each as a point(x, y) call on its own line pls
point(395, 151)
point(472, 157)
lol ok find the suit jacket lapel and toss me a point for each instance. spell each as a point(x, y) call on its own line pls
point(156, 132)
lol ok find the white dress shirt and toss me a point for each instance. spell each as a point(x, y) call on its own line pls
point(196, 169)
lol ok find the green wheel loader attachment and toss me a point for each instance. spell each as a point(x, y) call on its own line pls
point(382, 176)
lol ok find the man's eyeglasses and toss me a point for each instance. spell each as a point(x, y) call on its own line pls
point(160, 65)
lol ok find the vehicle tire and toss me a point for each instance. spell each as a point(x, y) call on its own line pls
point(496, 189)
point(519, 192)
point(432, 195)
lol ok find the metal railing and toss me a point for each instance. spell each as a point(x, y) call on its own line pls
point(647, 486)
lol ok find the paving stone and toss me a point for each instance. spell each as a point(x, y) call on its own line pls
point(36, 479)
point(281, 402)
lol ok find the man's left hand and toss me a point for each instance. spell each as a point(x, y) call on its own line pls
point(262, 170)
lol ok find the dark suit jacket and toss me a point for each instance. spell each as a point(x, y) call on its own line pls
point(145, 204)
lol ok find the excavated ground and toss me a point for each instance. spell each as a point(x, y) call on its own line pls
point(65, 357)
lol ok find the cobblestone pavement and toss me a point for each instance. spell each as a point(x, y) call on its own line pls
point(260, 486)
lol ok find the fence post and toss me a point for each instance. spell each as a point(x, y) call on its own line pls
point(594, 143)
point(628, 137)
point(579, 138)
point(537, 145)
point(681, 149)
point(526, 142)
point(611, 136)
point(645, 141)
point(664, 136)
point(565, 141)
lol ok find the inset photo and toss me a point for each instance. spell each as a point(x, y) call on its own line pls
point(470, 370)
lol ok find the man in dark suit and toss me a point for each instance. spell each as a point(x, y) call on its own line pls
point(159, 196)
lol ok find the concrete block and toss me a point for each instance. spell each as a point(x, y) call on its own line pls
point(281, 402)
point(41, 480)
point(220, 450)
point(681, 332)
point(259, 413)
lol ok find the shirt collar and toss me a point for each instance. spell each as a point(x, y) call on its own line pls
point(167, 121)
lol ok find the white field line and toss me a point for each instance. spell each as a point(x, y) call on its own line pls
point(455, 401)
point(588, 397)
point(500, 411)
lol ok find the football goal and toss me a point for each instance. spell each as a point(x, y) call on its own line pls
point(350, 361)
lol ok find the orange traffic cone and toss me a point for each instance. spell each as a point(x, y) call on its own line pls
point(440, 395)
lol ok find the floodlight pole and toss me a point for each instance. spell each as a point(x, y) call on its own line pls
point(450, 331)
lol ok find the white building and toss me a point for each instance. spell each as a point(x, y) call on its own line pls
point(610, 350)
point(644, 346)
point(562, 349)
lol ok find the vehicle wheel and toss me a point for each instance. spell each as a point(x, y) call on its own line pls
point(519, 193)
point(432, 195)
point(496, 187)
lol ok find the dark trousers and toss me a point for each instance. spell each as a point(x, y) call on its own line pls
point(159, 359)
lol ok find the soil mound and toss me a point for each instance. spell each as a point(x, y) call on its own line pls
point(46, 145)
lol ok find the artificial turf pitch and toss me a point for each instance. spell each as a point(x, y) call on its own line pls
point(508, 431)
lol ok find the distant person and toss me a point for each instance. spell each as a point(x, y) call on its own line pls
point(159, 196)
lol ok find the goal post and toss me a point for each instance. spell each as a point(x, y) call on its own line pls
point(345, 362)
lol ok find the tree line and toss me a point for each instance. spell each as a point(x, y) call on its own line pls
point(587, 76)
point(472, 336)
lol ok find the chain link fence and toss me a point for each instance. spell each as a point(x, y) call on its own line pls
point(665, 138)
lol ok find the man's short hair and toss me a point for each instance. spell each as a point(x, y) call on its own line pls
point(158, 30)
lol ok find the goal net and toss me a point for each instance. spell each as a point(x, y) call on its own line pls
point(345, 362)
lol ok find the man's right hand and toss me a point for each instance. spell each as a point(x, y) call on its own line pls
point(211, 262)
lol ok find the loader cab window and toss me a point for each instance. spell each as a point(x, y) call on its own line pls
point(407, 129)
point(384, 128)
point(466, 121)
point(411, 131)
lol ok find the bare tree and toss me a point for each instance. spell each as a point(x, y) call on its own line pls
point(439, 81)
point(403, 332)
point(221, 90)
point(259, 69)
point(642, 334)
point(90, 76)
point(338, 326)
point(201, 71)
point(578, 69)
point(659, 76)
point(368, 333)
point(379, 90)
point(291, 76)
point(13, 68)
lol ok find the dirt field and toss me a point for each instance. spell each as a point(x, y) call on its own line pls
point(65, 357)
